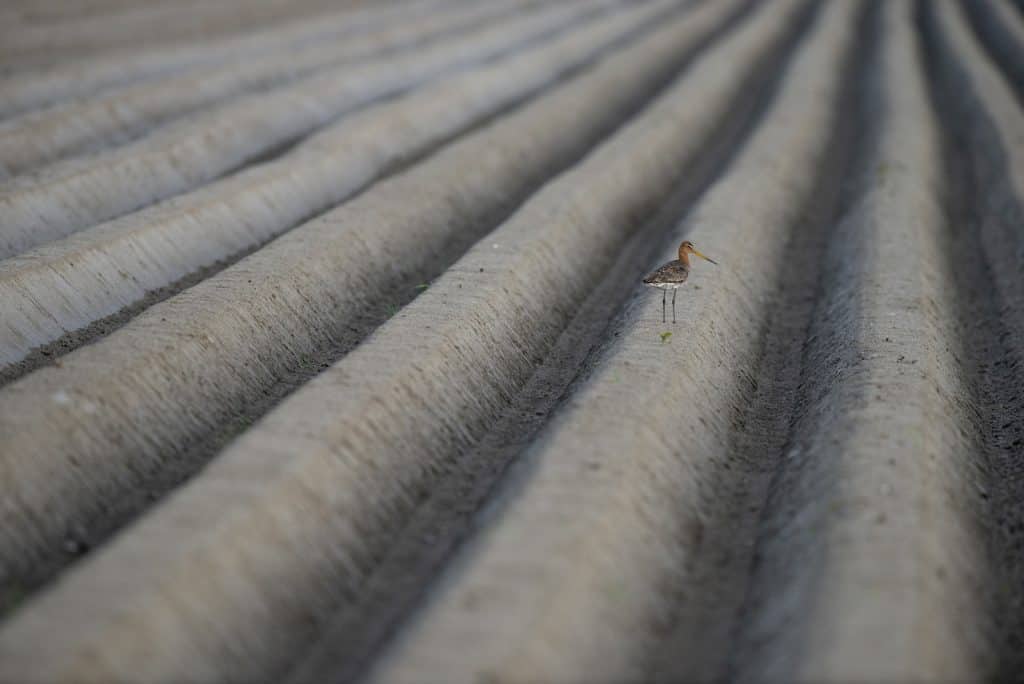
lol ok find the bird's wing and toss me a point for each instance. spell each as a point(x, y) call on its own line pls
point(672, 272)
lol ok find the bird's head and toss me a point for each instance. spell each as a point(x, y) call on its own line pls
point(687, 248)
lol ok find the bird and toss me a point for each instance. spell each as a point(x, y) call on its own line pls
point(672, 275)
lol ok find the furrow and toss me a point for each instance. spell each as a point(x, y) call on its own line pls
point(584, 567)
point(127, 410)
point(90, 124)
point(75, 194)
point(35, 88)
point(1001, 29)
point(154, 25)
point(304, 502)
point(62, 287)
point(985, 178)
point(456, 503)
point(41, 12)
point(993, 131)
point(869, 564)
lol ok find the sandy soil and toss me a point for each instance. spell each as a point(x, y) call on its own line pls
point(335, 364)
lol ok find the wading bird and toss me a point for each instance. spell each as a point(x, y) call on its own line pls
point(672, 275)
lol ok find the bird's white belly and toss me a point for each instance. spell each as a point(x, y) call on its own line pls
point(666, 286)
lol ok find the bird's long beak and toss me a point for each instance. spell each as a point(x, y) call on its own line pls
point(704, 257)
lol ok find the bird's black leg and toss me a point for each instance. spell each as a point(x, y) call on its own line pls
point(664, 293)
point(673, 306)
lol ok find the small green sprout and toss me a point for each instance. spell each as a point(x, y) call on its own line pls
point(665, 335)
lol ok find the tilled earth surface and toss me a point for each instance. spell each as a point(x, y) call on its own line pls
point(325, 355)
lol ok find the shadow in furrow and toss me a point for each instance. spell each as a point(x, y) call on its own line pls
point(979, 205)
point(283, 147)
point(702, 643)
point(190, 458)
point(998, 40)
point(51, 353)
point(108, 135)
point(482, 479)
point(58, 175)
